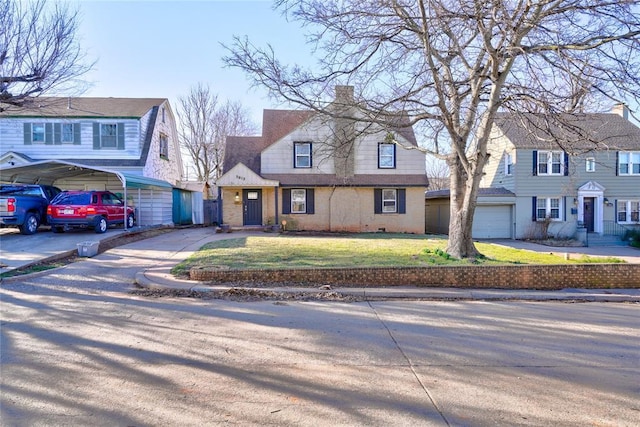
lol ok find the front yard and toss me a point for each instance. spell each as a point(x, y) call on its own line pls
point(358, 250)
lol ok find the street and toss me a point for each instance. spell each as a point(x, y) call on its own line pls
point(85, 352)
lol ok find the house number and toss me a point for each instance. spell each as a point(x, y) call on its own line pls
point(241, 178)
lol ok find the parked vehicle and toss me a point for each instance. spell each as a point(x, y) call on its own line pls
point(88, 209)
point(25, 206)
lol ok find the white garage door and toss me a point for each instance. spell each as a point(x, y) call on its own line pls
point(492, 222)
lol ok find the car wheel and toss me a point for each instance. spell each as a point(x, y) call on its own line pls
point(101, 225)
point(30, 225)
point(130, 221)
point(57, 229)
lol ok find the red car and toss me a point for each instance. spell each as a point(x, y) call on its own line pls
point(88, 209)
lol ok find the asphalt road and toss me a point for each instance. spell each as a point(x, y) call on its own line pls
point(77, 349)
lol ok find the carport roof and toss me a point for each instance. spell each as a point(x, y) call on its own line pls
point(48, 171)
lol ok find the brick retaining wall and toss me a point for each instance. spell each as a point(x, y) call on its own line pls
point(507, 276)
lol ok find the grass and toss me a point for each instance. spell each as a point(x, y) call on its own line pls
point(359, 250)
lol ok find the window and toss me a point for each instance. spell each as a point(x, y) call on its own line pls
point(628, 211)
point(66, 132)
point(508, 164)
point(164, 146)
point(389, 200)
point(386, 156)
point(629, 163)
point(590, 164)
point(37, 132)
point(548, 207)
point(164, 115)
point(301, 154)
point(550, 163)
point(298, 201)
point(108, 136)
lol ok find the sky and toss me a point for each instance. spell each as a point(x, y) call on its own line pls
point(163, 48)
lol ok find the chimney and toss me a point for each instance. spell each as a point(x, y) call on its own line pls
point(621, 110)
point(344, 94)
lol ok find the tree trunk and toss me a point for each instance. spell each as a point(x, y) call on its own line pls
point(462, 207)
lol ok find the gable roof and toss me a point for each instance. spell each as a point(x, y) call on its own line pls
point(275, 125)
point(80, 107)
point(595, 131)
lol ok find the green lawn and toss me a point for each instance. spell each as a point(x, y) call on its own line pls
point(359, 250)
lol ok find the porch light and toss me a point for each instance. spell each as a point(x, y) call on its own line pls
point(237, 198)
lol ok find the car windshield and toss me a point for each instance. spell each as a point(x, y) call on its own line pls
point(72, 199)
point(14, 189)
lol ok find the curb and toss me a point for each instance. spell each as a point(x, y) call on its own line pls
point(161, 279)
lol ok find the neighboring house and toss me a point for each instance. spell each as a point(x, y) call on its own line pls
point(311, 172)
point(116, 144)
point(543, 178)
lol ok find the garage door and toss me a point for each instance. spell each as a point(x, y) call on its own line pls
point(492, 222)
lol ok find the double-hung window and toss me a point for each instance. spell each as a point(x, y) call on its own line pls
point(301, 154)
point(108, 135)
point(37, 132)
point(390, 200)
point(386, 156)
point(550, 163)
point(629, 163)
point(298, 201)
point(590, 165)
point(66, 133)
point(628, 211)
point(548, 207)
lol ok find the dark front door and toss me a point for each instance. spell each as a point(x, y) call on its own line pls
point(252, 207)
point(588, 208)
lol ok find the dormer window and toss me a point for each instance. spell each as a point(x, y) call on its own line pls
point(301, 154)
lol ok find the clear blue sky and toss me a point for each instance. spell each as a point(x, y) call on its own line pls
point(160, 49)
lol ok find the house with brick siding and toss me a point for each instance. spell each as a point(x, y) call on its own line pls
point(309, 171)
point(555, 176)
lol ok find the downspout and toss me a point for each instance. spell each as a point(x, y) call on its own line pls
point(219, 205)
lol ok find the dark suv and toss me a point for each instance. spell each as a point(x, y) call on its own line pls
point(88, 209)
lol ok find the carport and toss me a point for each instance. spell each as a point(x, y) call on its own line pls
point(151, 198)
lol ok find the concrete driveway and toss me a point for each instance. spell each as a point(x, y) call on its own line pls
point(19, 250)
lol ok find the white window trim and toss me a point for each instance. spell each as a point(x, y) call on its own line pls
point(508, 164)
point(629, 163)
point(164, 146)
point(548, 208)
point(294, 202)
point(385, 209)
point(550, 163)
point(44, 132)
point(628, 211)
point(590, 164)
point(304, 155)
point(391, 156)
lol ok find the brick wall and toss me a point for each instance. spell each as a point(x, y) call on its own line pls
point(510, 276)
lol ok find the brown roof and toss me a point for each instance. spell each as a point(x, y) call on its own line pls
point(570, 131)
point(275, 125)
point(326, 180)
point(84, 107)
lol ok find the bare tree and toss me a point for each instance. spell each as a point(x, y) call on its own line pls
point(452, 65)
point(438, 174)
point(39, 51)
point(204, 125)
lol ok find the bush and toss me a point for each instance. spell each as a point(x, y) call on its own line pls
point(633, 236)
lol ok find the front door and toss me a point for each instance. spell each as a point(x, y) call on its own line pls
point(588, 208)
point(252, 207)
